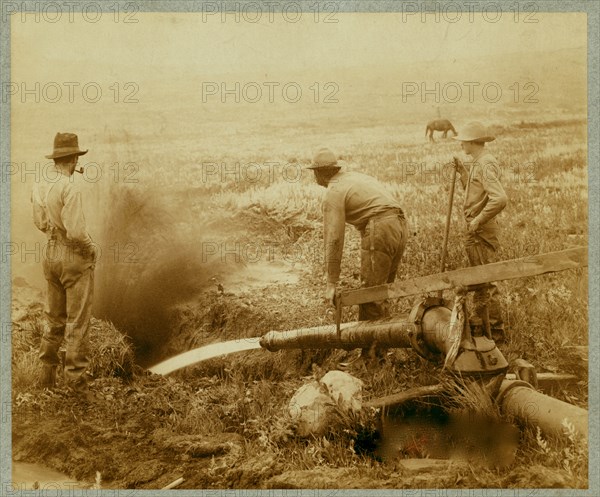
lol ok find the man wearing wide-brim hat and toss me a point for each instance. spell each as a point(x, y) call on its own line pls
point(359, 200)
point(68, 265)
point(484, 200)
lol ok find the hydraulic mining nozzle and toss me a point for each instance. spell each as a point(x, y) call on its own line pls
point(432, 329)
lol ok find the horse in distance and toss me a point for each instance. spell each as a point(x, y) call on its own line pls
point(439, 125)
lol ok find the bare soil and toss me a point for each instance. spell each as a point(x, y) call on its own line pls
point(139, 432)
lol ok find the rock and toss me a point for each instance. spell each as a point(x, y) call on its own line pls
point(344, 389)
point(310, 407)
point(251, 473)
point(313, 403)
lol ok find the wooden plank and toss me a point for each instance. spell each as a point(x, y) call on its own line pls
point(545, 380)
point(405, 396)
point(505, 270)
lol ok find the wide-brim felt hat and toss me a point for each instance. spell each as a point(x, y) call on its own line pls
point(323, 158)
point(474, 132)
point(65, 144)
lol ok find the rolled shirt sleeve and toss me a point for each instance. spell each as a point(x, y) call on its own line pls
point(334, 225)
point(484, 196)
point(496, 196)
point(40, 216)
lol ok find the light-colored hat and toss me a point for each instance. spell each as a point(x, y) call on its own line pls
point(323, 158)
point(65, 144)
point(474, 132)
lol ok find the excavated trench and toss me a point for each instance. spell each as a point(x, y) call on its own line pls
point(166, 311)
point(417, 431)
point(154, 264)
point(158, 297)
point(458, 432)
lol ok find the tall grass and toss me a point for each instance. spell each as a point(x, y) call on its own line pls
point(158, 290)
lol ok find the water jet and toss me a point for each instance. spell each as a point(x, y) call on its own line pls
point(436, 330)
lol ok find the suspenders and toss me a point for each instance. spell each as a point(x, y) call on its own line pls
point(44, 205)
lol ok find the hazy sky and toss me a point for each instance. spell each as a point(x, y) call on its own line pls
point(184, 41)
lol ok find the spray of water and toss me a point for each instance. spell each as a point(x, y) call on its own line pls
point(151, 261)
point(204, 353)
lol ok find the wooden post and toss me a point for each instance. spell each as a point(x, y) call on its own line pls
point(447, 232)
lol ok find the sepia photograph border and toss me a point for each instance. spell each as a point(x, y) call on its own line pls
point(592, 8)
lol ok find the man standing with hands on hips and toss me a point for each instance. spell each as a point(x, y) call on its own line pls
point(68, 264)
point(484, 200)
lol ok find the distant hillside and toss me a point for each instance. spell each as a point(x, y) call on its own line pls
point(560, 76)
point(557, 80)
point(360, 98)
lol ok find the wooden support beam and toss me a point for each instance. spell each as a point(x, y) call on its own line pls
point(545, 380)
point(402, 397)
point(534, 265)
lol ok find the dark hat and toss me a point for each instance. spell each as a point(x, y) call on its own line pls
point(474, 132)
point(323, 158)
point(65, 144)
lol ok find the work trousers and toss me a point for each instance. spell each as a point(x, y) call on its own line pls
point(382, 245)
point(481, 249)
point(70, 278)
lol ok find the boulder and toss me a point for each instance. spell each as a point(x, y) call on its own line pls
point(310, 407)
point(344, 389)
point(312, 404)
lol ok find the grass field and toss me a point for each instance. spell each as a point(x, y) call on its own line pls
point(210, 230)
point(184, 221)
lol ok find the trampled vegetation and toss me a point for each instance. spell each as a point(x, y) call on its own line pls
point(224, 423)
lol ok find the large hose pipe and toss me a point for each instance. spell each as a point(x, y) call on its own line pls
point(520, 400)
point(429, 328)
point(392, 332)
point(426, 330)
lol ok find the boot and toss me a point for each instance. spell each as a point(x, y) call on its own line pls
point(48, 376)
point(81, 391)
